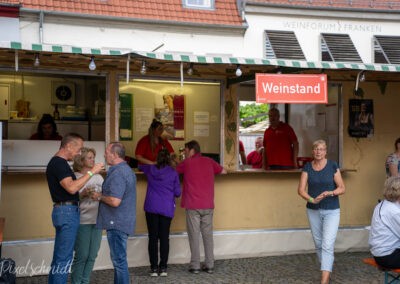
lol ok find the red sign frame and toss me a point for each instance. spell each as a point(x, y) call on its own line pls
point(292, 88)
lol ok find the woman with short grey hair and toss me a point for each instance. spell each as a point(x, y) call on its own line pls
point(384, 236)
point(320, 185)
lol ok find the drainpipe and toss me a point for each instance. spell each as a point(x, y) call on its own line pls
point(41, 17)
point(241, 6)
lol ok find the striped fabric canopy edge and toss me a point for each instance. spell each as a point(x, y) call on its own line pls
point(199, 58)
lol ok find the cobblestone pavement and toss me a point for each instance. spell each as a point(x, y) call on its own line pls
point(299, 268)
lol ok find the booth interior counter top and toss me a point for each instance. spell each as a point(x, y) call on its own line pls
point(262, 171)
point(32, 156)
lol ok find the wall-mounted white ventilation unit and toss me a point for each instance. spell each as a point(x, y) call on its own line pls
point(62, 93)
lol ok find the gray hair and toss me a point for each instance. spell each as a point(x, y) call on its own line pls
point(391, 192)
point(118, 148)
point(318, 142)
point(70, 138)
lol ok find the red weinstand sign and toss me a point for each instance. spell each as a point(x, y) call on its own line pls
point(291, 88)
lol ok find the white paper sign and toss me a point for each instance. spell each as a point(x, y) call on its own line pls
point(143, 118)
point(201, 117)
point(201, 130)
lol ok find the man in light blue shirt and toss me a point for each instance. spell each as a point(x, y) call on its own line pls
point(117, 209)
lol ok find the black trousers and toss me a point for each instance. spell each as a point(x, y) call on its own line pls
point(158, 228)
point(389, 261)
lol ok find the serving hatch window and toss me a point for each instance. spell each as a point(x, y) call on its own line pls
point(74, 103)
point(191, 111)
point(43, 108)
point(309, 121)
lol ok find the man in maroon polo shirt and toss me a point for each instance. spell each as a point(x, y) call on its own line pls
point(198, 200)
point(280, 144)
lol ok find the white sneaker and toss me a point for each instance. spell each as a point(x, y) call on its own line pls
point(153, 273)
point(163, 273)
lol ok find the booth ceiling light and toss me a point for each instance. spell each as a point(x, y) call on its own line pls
point(37, 61)
point(143, 69)
point(238, 71)
point(362, 76)
point(190, 69)
point(92, 64)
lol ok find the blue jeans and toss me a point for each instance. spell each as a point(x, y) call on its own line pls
point(324, 226)
point(86, 247)
point(117, 241)
point(66, 222)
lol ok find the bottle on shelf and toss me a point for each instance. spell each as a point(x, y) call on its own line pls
point(181, 154)
point(56, 113)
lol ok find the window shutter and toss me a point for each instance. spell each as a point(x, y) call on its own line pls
point(387, 49)
point(338, 47)
point(282, 45)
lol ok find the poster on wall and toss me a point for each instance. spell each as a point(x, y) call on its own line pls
point(125, 116)
point(361, 118)
point(171, 112)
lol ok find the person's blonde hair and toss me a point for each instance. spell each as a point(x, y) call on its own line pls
point(78, 160)
point(318, 142)
point(391, 191)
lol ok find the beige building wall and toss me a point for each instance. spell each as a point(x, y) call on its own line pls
point(244, 200)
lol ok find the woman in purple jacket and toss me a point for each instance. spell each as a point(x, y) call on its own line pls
point(159, 205)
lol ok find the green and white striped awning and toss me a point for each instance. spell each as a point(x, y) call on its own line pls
point(274, 62)
point(199, 58)
point(62, 48)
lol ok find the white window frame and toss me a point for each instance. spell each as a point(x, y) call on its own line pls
point(199, 4)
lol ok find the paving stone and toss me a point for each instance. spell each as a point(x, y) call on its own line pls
point(285, 269)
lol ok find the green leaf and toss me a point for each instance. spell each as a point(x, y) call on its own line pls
point(228, 144)
point(229, 108)
point(232, 126)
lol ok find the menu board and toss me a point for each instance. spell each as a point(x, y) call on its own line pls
point(125, 116)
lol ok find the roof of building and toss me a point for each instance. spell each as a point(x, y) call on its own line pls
point(373, 5)
point(225, 13)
